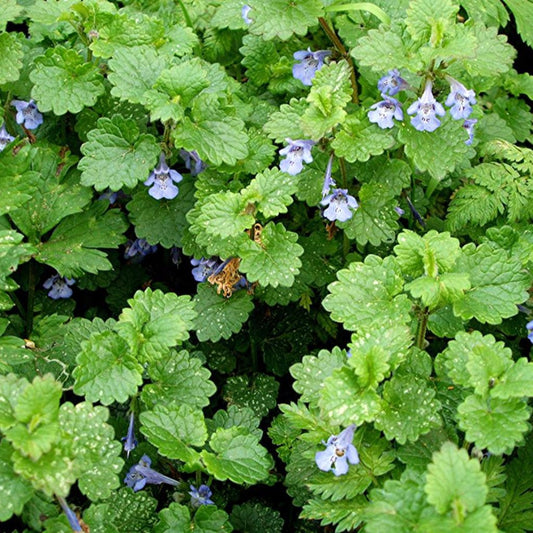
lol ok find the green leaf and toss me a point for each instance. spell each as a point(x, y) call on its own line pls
point(134, 71)
point(107, 371)
point(516, 382)
point(63, 81)
point(258, 392)
point(117, 155)
point(10, 11)
point(409, 409)
point(367, 294)
point(274, 260)
point(428, 21)
point(283, 18)
point(309, 375)
point(454, 481)
point(236, 456)
point(228, 15)
point(498, 426)
point(450, 137)
point(271, 191)
point(358, 139)
point(16, 491)
point(73, 246)
point(207, 519)
point(155, 321)
point(175, 517)
point(178, 377)
point(162, 221)
point(498, 284)
point(287, 121)
point(173, 429)
point(237, 416)
point(259, 56)
point(329, 94)
point(11, 56)
point(220, 317)
point(217, 141)
point(12, 252)
point(254, 517)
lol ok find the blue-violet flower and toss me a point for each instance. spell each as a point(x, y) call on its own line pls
point(193, 163)
point(460, 100)
point(383, 112)
point(5, 138)
point(27, 114)
point(338, 453)
point(162, 181)
point(69, 513)
point(529, 327)
point(426, 109)
point(244, 13)
point(59, 286)
point(296, 152)
point(329, 182)
point(340, 205)
point(468, 125)
point(130, 442)
point(141, 474)
point(201, 496)
point(138, 249)
point(392, 83)
point(203, 268)
point(310, 62)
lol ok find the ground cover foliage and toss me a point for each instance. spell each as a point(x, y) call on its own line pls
point(265, 266)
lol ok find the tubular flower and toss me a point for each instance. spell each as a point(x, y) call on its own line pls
point(392, 83)
point(162, 181)
point(340, 205)
point(310, 62)
point(5, 138)
point(383, 112)
point(328, 180)
point(69, 513)
point(59, 287)
point(296, 153)
point(201, 496)
point(468, 125)
point(193, 163)
point(138, 249)
point(244, 14)
point(141, 474)
point(426, 109)
point(27, 114)
point(338, 453)
point(130, 442)
point(203, 268)
point(460, 100)
point(529, 327)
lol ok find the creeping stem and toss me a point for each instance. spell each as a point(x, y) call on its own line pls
point(422, 328)
point(31, 297)
point(186, 15)
point(334, 38)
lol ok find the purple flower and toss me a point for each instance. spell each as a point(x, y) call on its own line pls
point(392, 83)
point(59, 286)
point(426, 109)
point(468, 125)
point(201, 496)
point(138, 249)
point(141, 475)
point(203, 268)
point(399, 210)
point(162, 181)
point(5, 138)
point(328, 180)
point(296, 152)
point(175, 255)
point(244, 13)
point(71, 517)
point(529, 327)
point(338, 453)
point(460, 100)
point(27, 114)
point(383, 112)
point(310, 62)
point(193, 163)
point(340, 205)
point(130, 442)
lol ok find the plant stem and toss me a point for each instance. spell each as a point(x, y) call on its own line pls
point(334, 38)
point(31, 298)
point(422, 328)
point(186, 15)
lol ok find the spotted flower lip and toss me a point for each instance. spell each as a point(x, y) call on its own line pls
point(309, 63)
point(460, 100)
point(426, 109)
point(392, 83)
point(383, 112)
point(340, 205)
point(201, 496)
point(141, 475)
point(338, 453)
point(27, 114)
point(59, 286)
point(296, 153)
point(5, 138)
point(161, 181)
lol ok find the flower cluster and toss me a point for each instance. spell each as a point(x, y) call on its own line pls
point(426, 110)
point(5, 138)
point(138, 249)
point(59, 286)
point(338, 453)
point(27, 114)
point(141, 474)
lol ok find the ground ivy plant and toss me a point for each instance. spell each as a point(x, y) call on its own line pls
point(266, 265)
